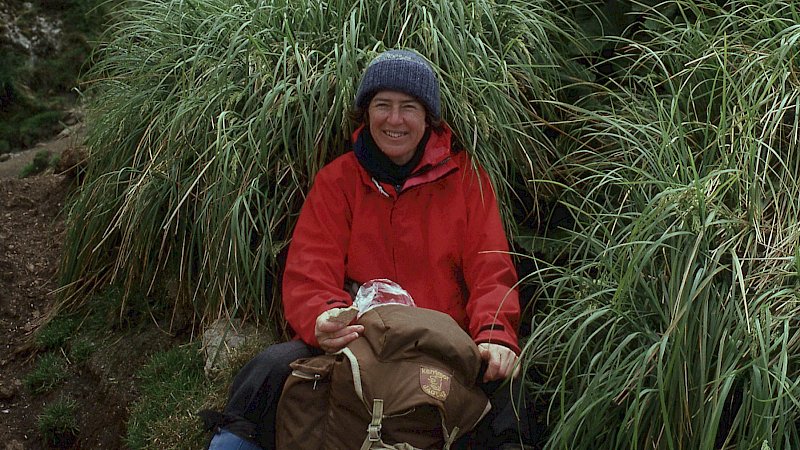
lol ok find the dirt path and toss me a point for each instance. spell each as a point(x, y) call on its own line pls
point(30, 248)
point(31, 243)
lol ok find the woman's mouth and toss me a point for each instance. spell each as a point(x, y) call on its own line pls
point(394, 134)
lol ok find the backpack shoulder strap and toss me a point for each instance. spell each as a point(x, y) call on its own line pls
point(357, 386)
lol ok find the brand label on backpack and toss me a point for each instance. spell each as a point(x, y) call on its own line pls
point(434, 382)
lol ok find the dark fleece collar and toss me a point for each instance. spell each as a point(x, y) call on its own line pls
point(379, 165)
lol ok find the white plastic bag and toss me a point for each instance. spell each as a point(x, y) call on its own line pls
point(380, 292)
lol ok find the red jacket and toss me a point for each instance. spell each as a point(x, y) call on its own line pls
point(440, 238)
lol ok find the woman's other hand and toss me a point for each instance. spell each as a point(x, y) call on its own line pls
point(332, 333)
point(501, 361)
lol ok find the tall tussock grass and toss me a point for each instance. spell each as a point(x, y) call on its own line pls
point(673, 323)
point(210, 119)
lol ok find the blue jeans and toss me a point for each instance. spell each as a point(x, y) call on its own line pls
point(225, 440)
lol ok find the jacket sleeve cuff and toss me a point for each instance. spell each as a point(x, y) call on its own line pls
point(311, 337)
point(491, 336)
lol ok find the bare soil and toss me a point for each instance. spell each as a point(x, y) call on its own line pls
point(31, 242)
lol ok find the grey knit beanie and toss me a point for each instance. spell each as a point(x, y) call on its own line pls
point(404, 71)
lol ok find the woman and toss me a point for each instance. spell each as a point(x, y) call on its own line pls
point(406, 205)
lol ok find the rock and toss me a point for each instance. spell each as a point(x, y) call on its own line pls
point(5, 157)
point(72, 162)
point(223, 338)
point(65, 133)
point(73, 117)
point(7, 392)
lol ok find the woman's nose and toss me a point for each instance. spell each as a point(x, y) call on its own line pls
point(394, 115)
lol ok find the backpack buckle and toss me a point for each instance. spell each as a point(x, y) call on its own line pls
point(374, 428)
point(374, 433)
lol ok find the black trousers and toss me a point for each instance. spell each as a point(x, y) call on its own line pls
point(256, 389)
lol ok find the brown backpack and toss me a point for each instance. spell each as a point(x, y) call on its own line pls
point(407, 383)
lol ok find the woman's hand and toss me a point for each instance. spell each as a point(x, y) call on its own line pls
point(501, 361)
point(332, 333)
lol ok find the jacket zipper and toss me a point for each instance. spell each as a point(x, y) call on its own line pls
point(380, 188)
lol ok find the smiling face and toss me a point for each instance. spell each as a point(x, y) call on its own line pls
point(397, 124)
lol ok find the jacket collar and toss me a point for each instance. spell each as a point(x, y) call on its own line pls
point(436, 163)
